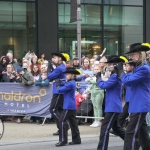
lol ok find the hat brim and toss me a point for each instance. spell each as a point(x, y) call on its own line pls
point(138, 48)
point(59, 55)
point(130, 63)
point(72, 72)
point(115, 60)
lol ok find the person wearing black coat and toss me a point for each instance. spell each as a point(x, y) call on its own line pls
point(10, 75)
point(4, 62)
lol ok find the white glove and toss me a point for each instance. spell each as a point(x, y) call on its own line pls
point(105, 76)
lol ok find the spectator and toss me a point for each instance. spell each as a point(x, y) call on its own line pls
point(41, 59)
point(82, 58)
point(76, 63)
point(101, 55)
point(25, 65)
point(25, 78)
point(43, 69)
point(36, 72)
point(11, 61)
point(94, 57)
point(86, 72)
point(148, 57)
point(102, 63)
point(97, 96)
point(1, 58)
point(3, 64)
point(69, 64)
point(45, 63)
point(96, 63)
point(10, 75)
point(30, 55)
point(34, 61)
point(43, 81)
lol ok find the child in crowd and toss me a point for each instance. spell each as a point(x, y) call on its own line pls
point(69, 109)
point(43, 81)
point(97, 96)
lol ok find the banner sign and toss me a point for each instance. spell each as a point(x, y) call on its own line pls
point(25, 100)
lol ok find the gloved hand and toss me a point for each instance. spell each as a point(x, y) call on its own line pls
point(105, 76)
point(58, 83)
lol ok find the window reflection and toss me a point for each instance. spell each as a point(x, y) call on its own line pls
point(91, 30)
point(17, 27)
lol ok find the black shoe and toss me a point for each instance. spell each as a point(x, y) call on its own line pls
point(56, 133)
point(61, 143)
point(74, 142)
point(112, 132)
point(137, 144)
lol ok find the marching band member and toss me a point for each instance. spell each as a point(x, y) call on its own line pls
point(139, 98)
point(69, 109)
point(113, 105)
point(57, 73)
point(128, 68)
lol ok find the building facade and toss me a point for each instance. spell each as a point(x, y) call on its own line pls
point(43, 25)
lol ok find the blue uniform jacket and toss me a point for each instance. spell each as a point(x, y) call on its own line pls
point(57, 74)
point(113, 88)
point(140, 89)
point(128, 91)
point(69, 95)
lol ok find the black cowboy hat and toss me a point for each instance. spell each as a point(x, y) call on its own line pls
point(64, 56)
point(130, 62)
point(117, 59)
point(73, 71)
point(138, 47)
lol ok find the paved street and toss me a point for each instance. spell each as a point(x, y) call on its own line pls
point(30, 136)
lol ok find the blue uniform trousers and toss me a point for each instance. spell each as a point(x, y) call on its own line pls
point(137, 126)
point(56, 107)
point(110, 121)
point(68, 115)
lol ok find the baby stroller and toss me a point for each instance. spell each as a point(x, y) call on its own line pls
point(86, 109)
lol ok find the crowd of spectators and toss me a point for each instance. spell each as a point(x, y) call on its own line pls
point(34, 70)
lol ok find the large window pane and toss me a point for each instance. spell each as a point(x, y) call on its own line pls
point(124, 2)
point(17, 27)
point(83, 1)
point(91, 30)
point(122, 26)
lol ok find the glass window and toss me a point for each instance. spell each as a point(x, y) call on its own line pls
point(91, 30)
point(124, 2)
point(122, 26)
point(17, 27)
point(83, 1)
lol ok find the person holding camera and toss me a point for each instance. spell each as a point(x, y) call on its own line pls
point(10, 74)
point(25, 78)
point(30, 55)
